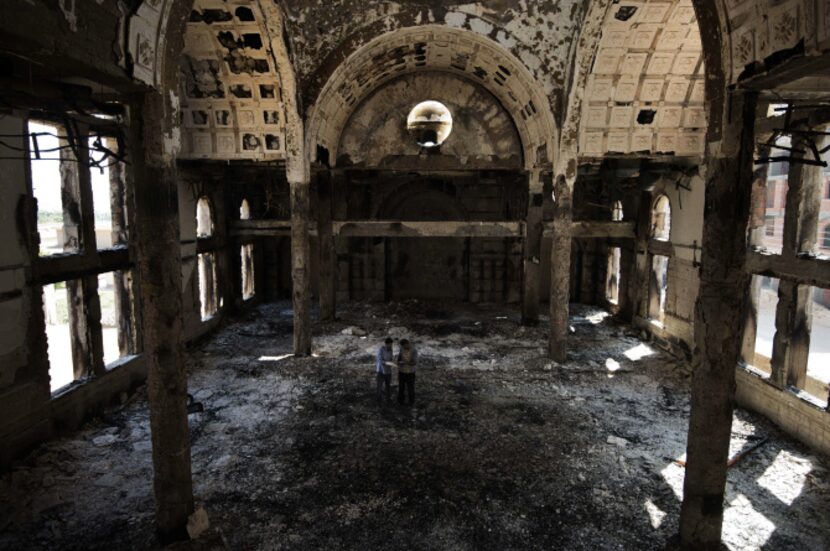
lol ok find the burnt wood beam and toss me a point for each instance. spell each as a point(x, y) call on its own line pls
point(55, 269)
point(803, 269)
point(389, 228)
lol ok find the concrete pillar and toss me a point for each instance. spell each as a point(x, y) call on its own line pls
point(300, 264)
point(532, 252)
point(159, 268)
point(560, 270)
point(328, 255)
point(718, 316)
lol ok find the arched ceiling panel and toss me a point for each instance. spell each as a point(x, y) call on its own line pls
point(231, 94)
point(645, 93)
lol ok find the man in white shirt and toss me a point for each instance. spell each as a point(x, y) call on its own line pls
point(383, 368)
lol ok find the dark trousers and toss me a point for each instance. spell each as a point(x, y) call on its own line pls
point(384, 380)
point(406, 383)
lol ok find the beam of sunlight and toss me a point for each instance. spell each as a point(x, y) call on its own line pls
point(789, 468)
point(655, 514)
point(274, 358)
point(612, 365)
point(639, 352)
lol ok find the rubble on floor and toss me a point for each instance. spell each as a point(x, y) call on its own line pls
point(503, 450)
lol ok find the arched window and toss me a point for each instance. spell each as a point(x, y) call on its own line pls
point(248, 282)
point(658, 288)
point(661, 219)
point(825, 237)
point(208, 283)
point(617, 211)
point(204, 218)
point(245, 210)
point(612, 279)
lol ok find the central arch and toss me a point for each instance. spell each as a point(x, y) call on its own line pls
point(435, 48)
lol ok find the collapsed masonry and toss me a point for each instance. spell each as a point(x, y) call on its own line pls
point(167, 165)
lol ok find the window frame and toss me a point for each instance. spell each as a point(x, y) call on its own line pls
point(80, 270)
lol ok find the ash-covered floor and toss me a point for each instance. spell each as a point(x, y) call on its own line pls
point(504, 449)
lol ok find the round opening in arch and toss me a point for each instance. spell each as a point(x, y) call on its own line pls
point(430, 123)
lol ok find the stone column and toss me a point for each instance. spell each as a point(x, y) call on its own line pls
point(328, 255)
point(532, 252)
point(159, 267)
point(718, 316)
point(300, 264)
point(560, 270)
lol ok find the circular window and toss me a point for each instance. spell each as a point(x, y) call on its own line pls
point(430, 123)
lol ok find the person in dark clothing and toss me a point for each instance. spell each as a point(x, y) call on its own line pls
point(407, 362)
point(383, 369)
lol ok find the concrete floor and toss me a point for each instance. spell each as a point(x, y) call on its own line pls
point(504, 450)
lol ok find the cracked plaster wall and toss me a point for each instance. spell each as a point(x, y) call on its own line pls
point(81, 37)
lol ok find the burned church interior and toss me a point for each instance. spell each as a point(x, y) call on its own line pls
point(392, 274)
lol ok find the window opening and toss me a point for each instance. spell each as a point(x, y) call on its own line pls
point(612, 286)
point(208, 289)
point(245, 210)
point(56, 312)
point(617, 212)
point(818, 361)
point(429, 123)
point(109, 197)
point(204, 218)
point(823, 218)
point(116, 315)
point(769, 226)
point(658, 288)
point(248, 283)
point(767, 304)
point(661, 219)
point(776, 203)
point(54, 187)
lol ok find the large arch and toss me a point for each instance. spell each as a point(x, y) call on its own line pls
point(435, 48)
point(483, 134)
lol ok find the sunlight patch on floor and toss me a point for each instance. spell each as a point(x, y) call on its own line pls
point(735, 515)
point(790, 467)
point(639, 352)
point(274, 358)
point(597, 317)
point(673, 475)
point(655, 514)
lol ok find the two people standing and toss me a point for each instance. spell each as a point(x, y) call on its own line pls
point(406, 362)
